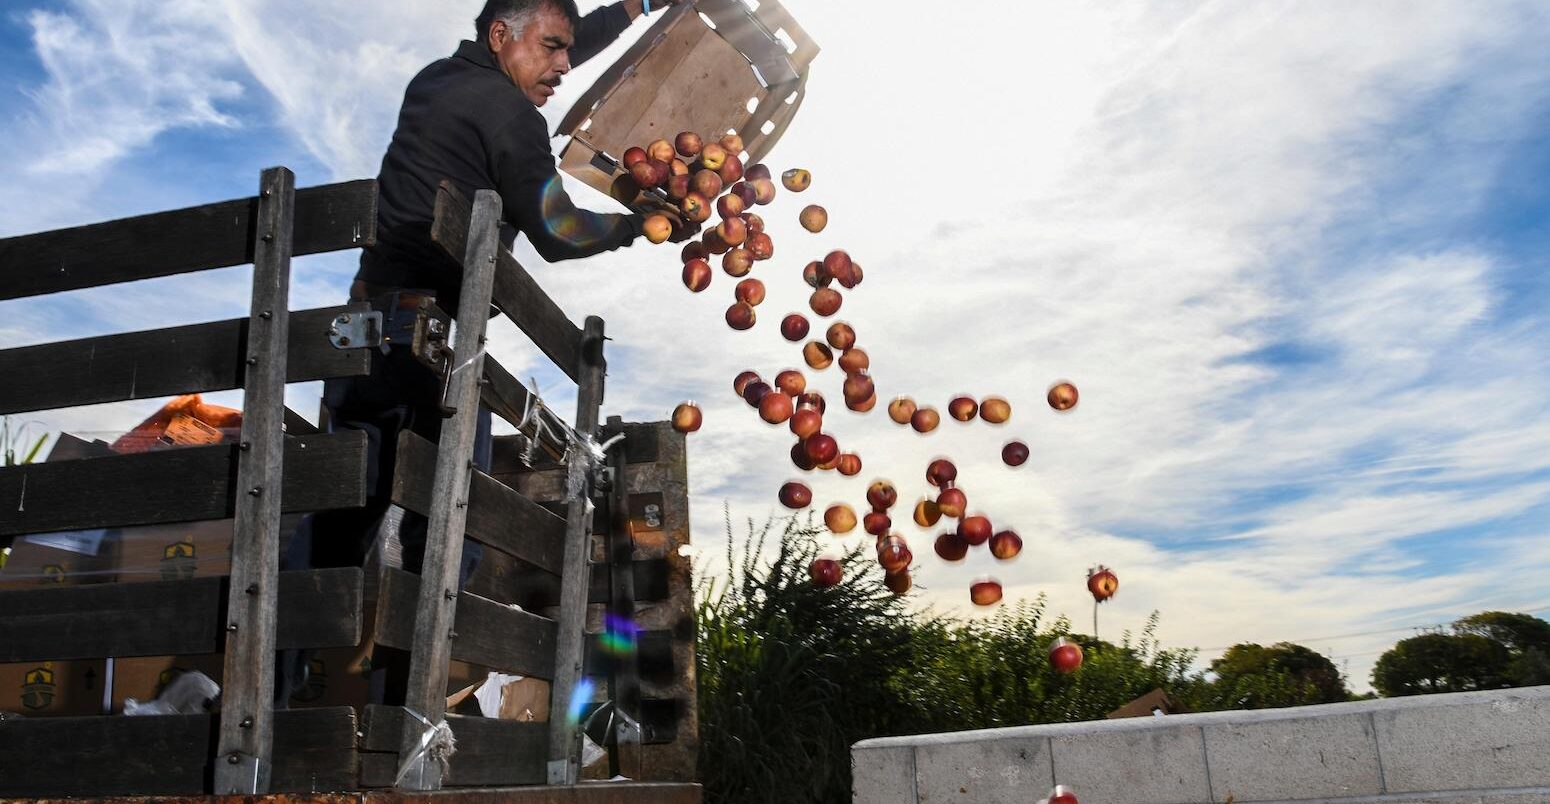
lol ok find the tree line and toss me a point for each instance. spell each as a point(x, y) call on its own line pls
point(790, 675)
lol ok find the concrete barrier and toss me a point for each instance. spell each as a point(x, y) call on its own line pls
point(1462, 748)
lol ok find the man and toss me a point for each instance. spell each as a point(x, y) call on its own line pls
point(472, 119)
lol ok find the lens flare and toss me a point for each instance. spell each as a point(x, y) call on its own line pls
point(579, 698)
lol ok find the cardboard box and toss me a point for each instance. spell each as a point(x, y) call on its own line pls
point(144, 677)
point(744, 70)
point(53, 689)
point(176, 552)
point(91, 557)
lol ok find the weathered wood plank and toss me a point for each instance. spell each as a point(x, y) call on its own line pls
point(317, 609)
point(175, 485)
point(315, 750)
point(247, 692)
point(327, 218)
point(537, 589)
point(486, 633)
point(165, 362)
point(490, 752)
point(496, 515)
point(516, 293)
point(564, 744)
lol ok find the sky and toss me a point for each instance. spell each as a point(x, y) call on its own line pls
point(1293, 254)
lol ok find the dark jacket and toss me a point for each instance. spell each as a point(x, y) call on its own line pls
point(463, 120)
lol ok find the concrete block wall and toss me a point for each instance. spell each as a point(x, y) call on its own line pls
point(1462, 748)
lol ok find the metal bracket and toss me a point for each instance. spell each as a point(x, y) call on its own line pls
point(430, 347)
point(241, 774)
point(355, 330)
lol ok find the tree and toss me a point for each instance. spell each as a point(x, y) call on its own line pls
point(1442, 663)
point(1526, 638)
point(1251, 676)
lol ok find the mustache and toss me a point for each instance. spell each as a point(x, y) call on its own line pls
point(552, 82)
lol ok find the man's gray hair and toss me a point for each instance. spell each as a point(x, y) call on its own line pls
point(517, 14)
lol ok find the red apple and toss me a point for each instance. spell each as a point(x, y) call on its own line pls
point(732, 142)
point(633, 156)
point(831, 464)
point(741, 382)
point(813, 399)
point(850, 464)
point(995, 410)
point(757, 171)
point(817, 355)
point(941, 473)
point(737, 262)
point(794, 327)
point(750, 291)
point(796, 179)
point(882, 494)
point(795, 495)
point(693, 250)
point(824, 301)
point(755, 225)
point(1102, 583)
point(688, 144)
point(894, 553)
point(676, 168)
point(706, 183)
point(826, 572)
point(806, 423)
point(740, 316)
point(927, 513)
point(1006, 545)
point(644, 173)
point(730, 170)
point(775, 408)
point(822, 448)
point(901, 409)
point(975, 529)
point(799, 457)
point(744, 191)
point(837, 263)
point(925, 419)
point(813, 218)
point(951, 548)
point(1015, 453)
point(876, 523)
point(661, 171)
point(951, 502)
point(763, 190)
point(985, 592)
point(755, 392)
point(761, 246)
point(657, 228)
point(713, 156)
point(898, 582)
point(841, 337)
point(852, 277)
point(1062, 396)
point(732, 231)
point(695, 208)
point(729, 206)
point(1062, 795)
point(864, 405)
point(697, 275)
point(854, 359)
point(840, 518)
point(962, 408)
point(1065, 656)
point(660, 150)
point(687, 417)
point(815, 276)
point(857, 389)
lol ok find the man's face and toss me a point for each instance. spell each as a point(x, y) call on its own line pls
point(538, 56)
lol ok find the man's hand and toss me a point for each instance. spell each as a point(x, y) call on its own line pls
point(637, 7)
point(683, 229)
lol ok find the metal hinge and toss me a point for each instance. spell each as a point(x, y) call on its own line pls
point(355, 330)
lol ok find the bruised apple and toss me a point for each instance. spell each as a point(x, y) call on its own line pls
point(688, 144)
point(793, 327)
point(796, 179)
point(757, 171)
point(732, 142)
point(795, 495)
point(995, 410)
point(806, 422)
point(706, 183)
point(750, 291)
point(687, 417)
point(927, 513)
point(962, 408)
point(815, 276)
point(901, 409)
point(925, 419)
point(850, 464)
point(824, 301)
point(840, 518)
point(813, 218)
point(881, 494)
point(951, 502)
point(825, 572)
point(1015, 453)
point(975, 530)
point(951, 548)
point(817, 355)
point(791, 382)
point(842, 337)
point(697, 275)
point(985, 592)
point(713, 156)
point(737, 262)
point(1006, 545)
point(741, 316)
point(660, 150)
point(1062, 396)
point(657, 228)
point(775, 408)
point(763, 191)
point(695, 208)
point(761, 246)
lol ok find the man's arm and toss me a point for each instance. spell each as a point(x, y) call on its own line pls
point(535, 201)
point(601, 26)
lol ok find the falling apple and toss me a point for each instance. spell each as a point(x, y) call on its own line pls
point(755, 226)
point(794, 327)
point(826, 572)
point(1062, 396)
point(763, 190)
point(741, 316)
point(817, 355)
point(813, 218)
point(1065, 656)
point(713, 156)
point(840, 518)
point(750, 291)
point(901, 409)
point(755, 392)
point(697, 275)
point(941, 473)
point(805, 423)
point(799, 457)
point(951, 548)
point(1006, 545)
point(795, 495)
point(881, 494)
point(850, 464)
point(1102, 583)
point(693, 250)
point(854, 359)
point(775, 408)
point(927, 513)
point(864, 405)
point(729, 206)
point(741, 382)
point(898, 583)
point(893, 553)
point(1063, 795)
point(791, 382)
point(796, 179)
point(858, 387)
point(841, 336)
point(995, 410)
point(1014, 453)
point(925, 419)
point(658, 229)
point(695, 208)
point(688, 144)
point(975, 530)
point(687, 417)
point(757, 171)
point(824, 301)
point(876, 522)
point(822, 448)
point(952, 502)
point(962, 408)
point(985, 592)
point(814, 400)
point(737, 262)
point(761, 246)
point(706, 183)
point(730, 170)
point(660, 150)
point(732, 142)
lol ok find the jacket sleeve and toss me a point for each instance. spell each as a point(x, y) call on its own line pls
point(599, 28)
point(534, 200)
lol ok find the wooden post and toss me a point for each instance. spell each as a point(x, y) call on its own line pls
point(564, 732)
point(247, 703)
point(427, 694)
point(624, 681)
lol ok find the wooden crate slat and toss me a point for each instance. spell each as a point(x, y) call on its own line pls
point(489, 751)
point(516, 293)
point(497, 515)
point(538, 590)
point(315, 750)
point(176, 485)
point(98, 756)
point(165, 362)
point(486, 632)
point(328, 218)
point(317, 609)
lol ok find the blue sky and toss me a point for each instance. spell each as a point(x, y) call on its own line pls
point(1294, 255)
